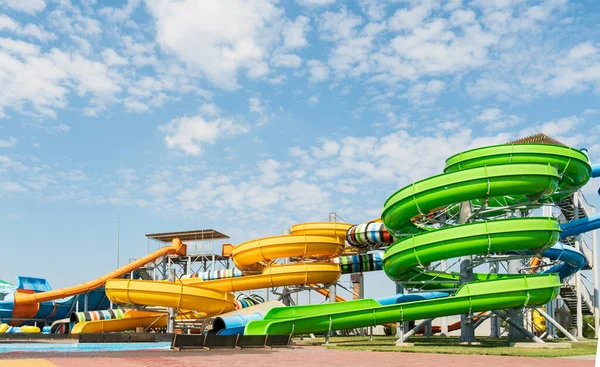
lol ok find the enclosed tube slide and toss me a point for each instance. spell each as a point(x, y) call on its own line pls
point(490, 177)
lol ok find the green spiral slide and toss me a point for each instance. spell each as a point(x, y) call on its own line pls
point(496, 180)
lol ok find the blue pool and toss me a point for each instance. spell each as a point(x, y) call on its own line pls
point(81, 347)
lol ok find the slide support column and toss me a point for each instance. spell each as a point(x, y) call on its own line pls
point(467, 331)
point(171, 311)
point(444, 331)
point(494, 320)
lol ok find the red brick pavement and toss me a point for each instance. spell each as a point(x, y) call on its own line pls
point(310, 356)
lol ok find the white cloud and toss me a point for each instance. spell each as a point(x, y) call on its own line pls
point(560, 129)
point(201, 35)
point(111, 57)
point(10, 143)
point(425, 93)
point(189, 134)
point(7, 23)
point(120, 14)
point(25, 6)
point(287, 60)
point(294, 33)
point(317, 70)
point(315, 2)
point(268, 171)
point(449, 125)
point(490, 114)
point(496, 120)
point(210, 109)
point(10, 186)
point(313, 100)
point(411, 18)
point(337, 26)
point(255, 105)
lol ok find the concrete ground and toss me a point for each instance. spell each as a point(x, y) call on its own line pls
point(299, 356)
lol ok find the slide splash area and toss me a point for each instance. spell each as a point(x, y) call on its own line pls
point(477, 207)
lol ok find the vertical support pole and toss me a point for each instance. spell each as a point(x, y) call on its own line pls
point(494, 320)
point(444, 331)
point(578, 284)
point(399, 325)
point(332, 290)
point(515, 333)
point(467, 331)
point(332, 293)
point(85, 302)
point(171, 311)
point(550, 332)
point(596, 285)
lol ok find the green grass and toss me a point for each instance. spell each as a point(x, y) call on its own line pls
point(450, 345)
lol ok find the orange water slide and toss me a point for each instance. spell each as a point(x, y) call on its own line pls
point(27, 304)
point(325, 292)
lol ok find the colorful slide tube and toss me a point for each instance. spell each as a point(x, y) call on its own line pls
point(310, 246)
point(43, 305)
point(494, 180)
point(130, 320)
point(233, 323)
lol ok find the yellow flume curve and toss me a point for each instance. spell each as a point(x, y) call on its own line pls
point(309, 246)
point(131, 320)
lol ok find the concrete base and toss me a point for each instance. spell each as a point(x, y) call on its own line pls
point(541, 345)
point(405, 344)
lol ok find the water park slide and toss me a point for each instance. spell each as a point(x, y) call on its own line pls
point(130, 321)
point(27, 305)
point(316, 242)
point(491, 178)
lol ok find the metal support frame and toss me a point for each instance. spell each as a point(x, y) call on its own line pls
point(404, 336)
point(556, 324)
point(467, 331)
point(444, 331)
point(172, 311)
point(516, 325)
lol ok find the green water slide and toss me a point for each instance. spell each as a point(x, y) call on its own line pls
point(497, 179)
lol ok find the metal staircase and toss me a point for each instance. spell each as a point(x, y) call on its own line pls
point(568, 291)
point(144, 273)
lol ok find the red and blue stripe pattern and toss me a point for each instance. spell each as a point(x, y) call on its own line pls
point(369, 235)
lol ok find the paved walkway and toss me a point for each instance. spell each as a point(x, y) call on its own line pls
point(306, 356)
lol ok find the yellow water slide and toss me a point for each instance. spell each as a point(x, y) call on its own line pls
point(309, 246)
point(131, 320)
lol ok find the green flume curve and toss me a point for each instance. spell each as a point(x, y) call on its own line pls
point(527, 172)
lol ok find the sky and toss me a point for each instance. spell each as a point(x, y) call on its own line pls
point(249, 117)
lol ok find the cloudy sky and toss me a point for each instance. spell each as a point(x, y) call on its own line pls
point(248, 117)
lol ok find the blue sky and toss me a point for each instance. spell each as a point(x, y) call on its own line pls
point(248, 117)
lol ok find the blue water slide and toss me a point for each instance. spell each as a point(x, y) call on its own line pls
point(401, 298)
point(571, 260)
point(596, 170)
point(579, 226)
